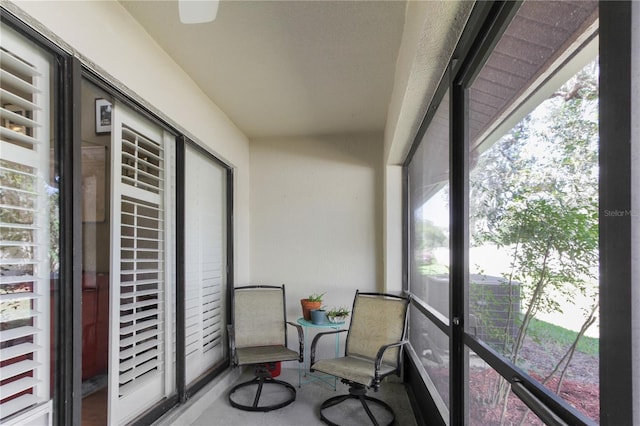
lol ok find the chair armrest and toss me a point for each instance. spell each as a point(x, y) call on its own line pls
point(312, 357)
point(378, 362)
point(300, 340)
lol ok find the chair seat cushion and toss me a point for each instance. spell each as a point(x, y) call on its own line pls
point(351, 368)
point(261, 354)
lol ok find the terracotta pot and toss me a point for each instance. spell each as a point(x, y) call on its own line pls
point(307, 306)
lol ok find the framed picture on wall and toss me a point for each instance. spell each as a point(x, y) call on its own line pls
point(103, 116)
point(94, 181)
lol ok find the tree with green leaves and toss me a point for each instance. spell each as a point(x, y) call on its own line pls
point(534, 193)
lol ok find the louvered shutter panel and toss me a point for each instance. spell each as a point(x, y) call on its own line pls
point(205, 263)
point(138, 363)
point(24, 232)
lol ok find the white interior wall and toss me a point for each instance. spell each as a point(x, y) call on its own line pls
point(316, 225)
point(392, 245)
point(103, 33)
point(316, 220)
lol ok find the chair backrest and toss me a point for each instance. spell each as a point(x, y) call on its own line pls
point(377, 320)
point(259, 316)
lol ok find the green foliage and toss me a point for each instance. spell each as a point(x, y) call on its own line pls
point(554, 246)
point(315, 297)
point(551, 154)
point(534, 193)
point(18, 197)
point(21, 198)
point(431, 236)
point(338, 312)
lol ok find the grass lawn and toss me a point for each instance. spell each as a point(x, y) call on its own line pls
point(544, 331)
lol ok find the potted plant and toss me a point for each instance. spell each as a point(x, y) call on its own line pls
point(336, 315)
point(314, 301)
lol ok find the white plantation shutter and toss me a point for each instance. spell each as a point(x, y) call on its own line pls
point(140, 292)
point(24, 232)
point(205, 263)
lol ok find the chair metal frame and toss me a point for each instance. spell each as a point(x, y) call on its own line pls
point(359, 390)
point(262, 371)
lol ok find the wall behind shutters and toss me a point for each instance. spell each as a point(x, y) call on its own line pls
point(25, 194)
point(205, 263)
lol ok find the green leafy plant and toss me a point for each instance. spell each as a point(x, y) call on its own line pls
point(315, 297)
point(338, 312)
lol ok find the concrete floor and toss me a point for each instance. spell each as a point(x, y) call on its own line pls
point(303, 411)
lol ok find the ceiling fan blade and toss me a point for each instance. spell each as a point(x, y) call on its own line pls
point(197, 11)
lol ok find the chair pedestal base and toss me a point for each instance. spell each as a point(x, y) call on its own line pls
point(260, 382)
point(359, 394)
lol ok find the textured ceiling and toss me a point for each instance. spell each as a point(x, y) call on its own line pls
point(286, 68)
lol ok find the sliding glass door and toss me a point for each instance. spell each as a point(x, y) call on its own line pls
point(29, 225)
point(99, 318)
point(205, 237)
point(141, 360)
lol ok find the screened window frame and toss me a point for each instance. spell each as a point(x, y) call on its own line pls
point(485, 26)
